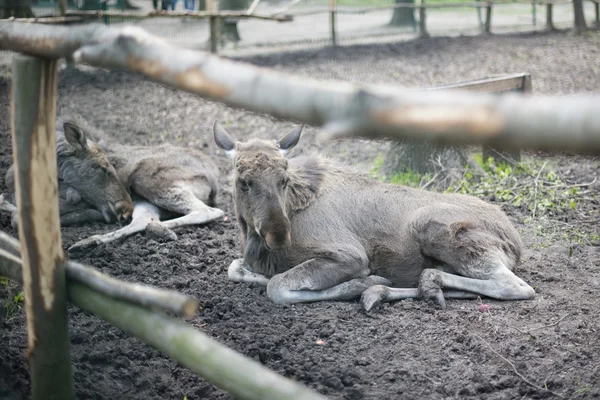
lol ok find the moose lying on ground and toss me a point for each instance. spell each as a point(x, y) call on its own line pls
point(312, 230)
point(94, 185)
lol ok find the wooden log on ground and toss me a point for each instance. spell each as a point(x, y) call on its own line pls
point(33, 107)
point(242, 377)
point(542, 122)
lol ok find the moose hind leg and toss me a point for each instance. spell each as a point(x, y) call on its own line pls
point(475, 269)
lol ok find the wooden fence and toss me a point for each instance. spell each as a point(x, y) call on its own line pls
point(457, 116)
point(215, 17)
point(422, 6)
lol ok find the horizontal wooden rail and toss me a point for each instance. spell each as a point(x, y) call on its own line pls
point(554, 123)
point(242, 377)
point(134, 293)
point(490, 84)
point(180, 14)
point(49, 20)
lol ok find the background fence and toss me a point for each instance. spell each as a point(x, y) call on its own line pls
point(356, 21)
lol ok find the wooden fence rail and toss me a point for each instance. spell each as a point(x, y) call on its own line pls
point(238, 375)
point(214, 18)
point(555, 123)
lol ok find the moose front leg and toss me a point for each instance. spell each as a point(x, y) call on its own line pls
point(324, 280)
point(240, 272)
point(143, 213)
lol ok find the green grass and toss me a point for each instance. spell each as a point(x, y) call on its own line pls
point(13, 302)
point(533, 188)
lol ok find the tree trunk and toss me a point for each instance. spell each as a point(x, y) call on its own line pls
point(229, 29)
point(580, 25)
point(404, 16)
point(33, 106)
point(16, 8)
point(446, 163)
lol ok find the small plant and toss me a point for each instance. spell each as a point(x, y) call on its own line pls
point(11, 305)
point(534, 188)
point(408, 178)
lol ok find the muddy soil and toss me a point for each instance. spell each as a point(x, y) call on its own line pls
point(405, 350)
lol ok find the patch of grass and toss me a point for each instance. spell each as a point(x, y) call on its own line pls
point(533, 188)
point(408, 178)
point(13, 304)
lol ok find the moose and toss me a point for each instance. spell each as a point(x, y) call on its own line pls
point(104, 182)
point(314, 230)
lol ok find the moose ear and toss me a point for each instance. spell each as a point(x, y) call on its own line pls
point(223, 140)
point(290, 139)
point(75, 136)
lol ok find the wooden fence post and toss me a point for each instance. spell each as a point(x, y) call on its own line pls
point(597, 12)
point(488, 18)
point(213, 24)
point(549, 20)
point(63, 7)
point(533, 12)
point(33, 119)
point(422, 20)
point(332, 5)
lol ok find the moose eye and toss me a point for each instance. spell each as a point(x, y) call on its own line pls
point(244, 185)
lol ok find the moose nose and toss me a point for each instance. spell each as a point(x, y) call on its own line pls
point(123, 210)
point(277, 241)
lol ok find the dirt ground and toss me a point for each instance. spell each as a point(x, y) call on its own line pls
point(405, 350)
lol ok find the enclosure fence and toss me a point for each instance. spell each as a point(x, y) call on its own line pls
point(345, 18)
point(570, 123)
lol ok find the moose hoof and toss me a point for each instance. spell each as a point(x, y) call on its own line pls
point(85, 244)
point(373, 296)
point(430, 288)
point(156, 230)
